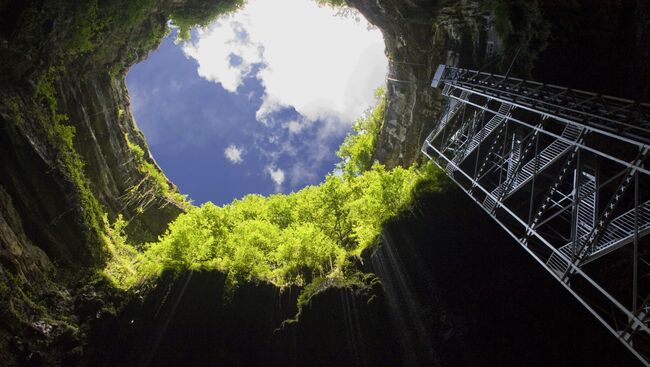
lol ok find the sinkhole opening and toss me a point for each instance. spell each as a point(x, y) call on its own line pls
point(258, 101)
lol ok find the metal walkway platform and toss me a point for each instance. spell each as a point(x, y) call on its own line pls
point(564, 172)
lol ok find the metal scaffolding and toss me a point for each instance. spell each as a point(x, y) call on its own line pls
point(564, 172)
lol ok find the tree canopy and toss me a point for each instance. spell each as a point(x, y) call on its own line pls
point(304, 238)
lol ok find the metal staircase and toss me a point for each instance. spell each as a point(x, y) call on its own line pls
point(491, 125)
point(586, 203)
point(620, 232)
point(451, 110)
point(540, 162)
point(566, 174)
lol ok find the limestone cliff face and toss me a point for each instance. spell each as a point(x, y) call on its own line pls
point(68, 159)
point(602, 47)
point(419, 35)
point(103, 125)
point(70, 151)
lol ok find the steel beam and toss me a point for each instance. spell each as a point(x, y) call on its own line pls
point(603, 142)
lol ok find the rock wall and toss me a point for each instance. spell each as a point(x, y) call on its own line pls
point(419, 35)
point(63, 66)
point(66, 160)
point(102, 125)
point(186, 322)
point(608, 43)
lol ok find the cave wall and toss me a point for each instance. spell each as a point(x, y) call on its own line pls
point(65, 162)
point(68, 58)
point(448, 297)
point(419, 35)
point(50, 77)
point(485, 300)
point(102, 123)
point(601, 47)
point(609, 45)
point(194, 320)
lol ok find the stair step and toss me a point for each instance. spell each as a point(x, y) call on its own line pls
point(479, 137)
point(619, 232)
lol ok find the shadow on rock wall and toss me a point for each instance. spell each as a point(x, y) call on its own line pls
point(458, 292)
point(485, 301)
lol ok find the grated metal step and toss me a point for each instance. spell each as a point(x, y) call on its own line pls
point(621, 232)
point(545, 158)
point(559, 261)
point(485, 132)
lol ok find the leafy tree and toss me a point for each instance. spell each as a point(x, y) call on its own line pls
point(305, 238)
point(200, 13)
point(332, 3)
point(357, 149)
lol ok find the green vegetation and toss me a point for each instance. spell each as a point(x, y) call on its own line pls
point(120, 270)
point(283, 239)
point(45, 95)
point(357, 149)
point(91, 18)
point(83, 28)
point(99, 33)
point(62, 137)
point(307, 238)
point(200, 13)
point(153, 185)
point(332, 3)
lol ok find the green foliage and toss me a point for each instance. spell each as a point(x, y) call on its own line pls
point(84, 27)
point(359, 281)
point(332, 3)
point(62, 137)
point(200, 13)
point(114, 32)
point(283, 239)
point(120, 270)
point(73, 165)
point(92, 21)
point(154, 182)
point(307, 238)
point(45, 94)
point(357, 149)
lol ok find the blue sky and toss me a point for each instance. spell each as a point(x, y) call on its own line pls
point(251, 105)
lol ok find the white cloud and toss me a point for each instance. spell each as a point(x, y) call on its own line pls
point(269, 105)
point(277, 175)
point(301, 173)
point(326, 67)
point(234, 154)
point(294, 126)
point(224, 53)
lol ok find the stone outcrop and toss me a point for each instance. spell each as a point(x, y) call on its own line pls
point(67, 136)
point(419, 35)
point(608, 45)
point(66, 160)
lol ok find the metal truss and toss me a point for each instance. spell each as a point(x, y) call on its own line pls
point(565, 173)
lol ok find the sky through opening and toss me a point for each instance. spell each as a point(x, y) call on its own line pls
point(259, 101)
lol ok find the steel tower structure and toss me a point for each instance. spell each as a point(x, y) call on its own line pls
point(565, 173)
